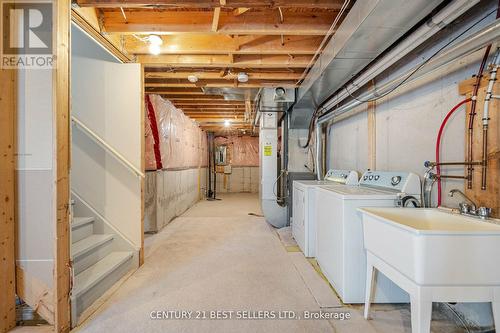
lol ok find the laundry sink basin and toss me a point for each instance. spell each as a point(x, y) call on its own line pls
point(434, 246)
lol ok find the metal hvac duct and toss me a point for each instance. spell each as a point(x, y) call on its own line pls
point(369, 28)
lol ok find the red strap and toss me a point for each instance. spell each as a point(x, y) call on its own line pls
point(154, 129)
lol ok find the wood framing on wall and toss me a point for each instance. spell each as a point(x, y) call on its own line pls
point(7, 199)
point(491, 196)
point(61, 107)
point(143, 167)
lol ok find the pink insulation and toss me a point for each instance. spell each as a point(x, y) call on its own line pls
point(182, 143)
point(243, 150)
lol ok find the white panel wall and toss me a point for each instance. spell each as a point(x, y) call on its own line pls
point(106, 97)
point(35, 173)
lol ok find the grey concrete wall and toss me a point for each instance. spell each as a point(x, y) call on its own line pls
point(169, 193)
point(241, 179)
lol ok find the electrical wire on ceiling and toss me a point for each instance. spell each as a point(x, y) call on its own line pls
point(422, 64)
point(321, 110)
point(327, 37)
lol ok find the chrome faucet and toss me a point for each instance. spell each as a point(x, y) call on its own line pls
point(470, 209)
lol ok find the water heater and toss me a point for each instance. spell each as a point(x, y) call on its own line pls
point(269, 173)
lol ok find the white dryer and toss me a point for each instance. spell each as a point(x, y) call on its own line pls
point(304, 207)
point(340, 250)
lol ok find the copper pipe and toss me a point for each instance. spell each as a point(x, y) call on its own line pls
point(450, 176)
point(434, 164)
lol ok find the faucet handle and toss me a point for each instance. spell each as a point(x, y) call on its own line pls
point(464, 207)
point(484, 212)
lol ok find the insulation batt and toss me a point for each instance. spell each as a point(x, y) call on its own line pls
point(243, 150)
point(182, 143)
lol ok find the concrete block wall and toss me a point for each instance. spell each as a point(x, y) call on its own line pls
point(241, 179)
point(169, 193)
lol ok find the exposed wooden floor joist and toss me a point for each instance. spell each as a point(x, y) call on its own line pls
point(273, 42)
point(326, 4)
point(262, 22)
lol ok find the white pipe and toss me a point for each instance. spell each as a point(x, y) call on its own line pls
point(423, 33)
point(478, 40)
point(489, 91)
point(107, 147)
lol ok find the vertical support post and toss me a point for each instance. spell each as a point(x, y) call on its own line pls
point(143, 167)
point(7, 199)
point(61, 107)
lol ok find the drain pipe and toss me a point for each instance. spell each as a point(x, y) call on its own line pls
point(488, 34)
point(486, 118)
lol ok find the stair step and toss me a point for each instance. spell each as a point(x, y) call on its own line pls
point(80, 221)
point(81, 227)
point(98, 272)
point(87, 244)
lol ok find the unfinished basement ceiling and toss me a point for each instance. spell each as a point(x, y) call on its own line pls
point(273, 42)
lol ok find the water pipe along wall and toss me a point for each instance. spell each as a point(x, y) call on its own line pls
point(180, 148)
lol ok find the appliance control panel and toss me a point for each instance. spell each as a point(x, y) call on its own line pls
point(347, 177)
point(403, 182)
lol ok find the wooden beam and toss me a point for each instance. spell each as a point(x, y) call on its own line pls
point(324, 4)
point(61, 107)
point(177, 91)
point(7, 199)
point(263, 22)
point(229, 76)
point(173, 97)
point(312, 4)
point(214, 107)
point(85, 18)
point(143, 168)
point(226, 85)
point(215, 19)
point(213, 114)
point(239, 11)
point(207, 102)
point(224, 44)
point(223, 61)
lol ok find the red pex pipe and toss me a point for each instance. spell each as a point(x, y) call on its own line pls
point(154, 129)
point(438, 144)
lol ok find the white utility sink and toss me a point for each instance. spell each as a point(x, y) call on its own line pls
point(434, 255)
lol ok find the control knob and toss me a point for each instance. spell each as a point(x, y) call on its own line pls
point(395, 180)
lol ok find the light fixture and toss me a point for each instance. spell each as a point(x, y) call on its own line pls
point(227, 123)
point(154, 49)
point(192, 78)
point(242, 77)
point(155, 42)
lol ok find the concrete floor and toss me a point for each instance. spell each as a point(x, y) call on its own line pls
point(217, 257)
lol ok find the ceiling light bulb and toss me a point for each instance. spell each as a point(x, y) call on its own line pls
point(227, 123)
point(154, 49)
point(242, 77)
point(192, 78)
point(155, 40)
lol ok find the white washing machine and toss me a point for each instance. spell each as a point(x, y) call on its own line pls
point(340, 250)
point(304, 207)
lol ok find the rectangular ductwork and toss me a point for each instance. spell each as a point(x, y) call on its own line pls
point(276, 99)
point(369, 28)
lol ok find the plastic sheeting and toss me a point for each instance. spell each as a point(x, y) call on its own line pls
point(182, 143)
point(243, 150)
